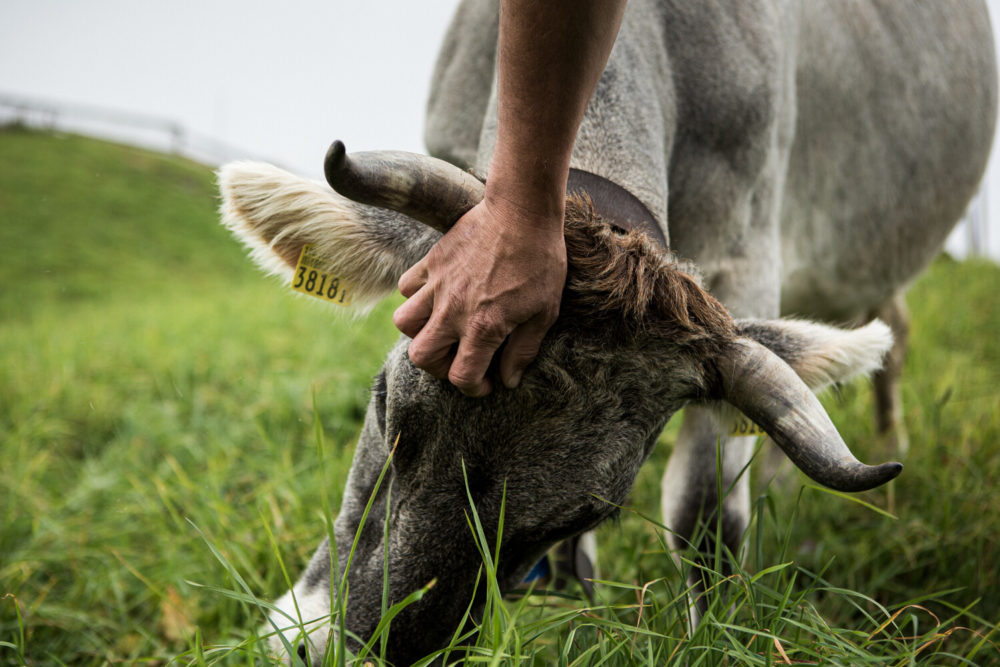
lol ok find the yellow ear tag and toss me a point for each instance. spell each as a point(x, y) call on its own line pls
point(310, 278)
point(743, 426)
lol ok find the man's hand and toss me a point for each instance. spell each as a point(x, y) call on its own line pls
point(499, 272)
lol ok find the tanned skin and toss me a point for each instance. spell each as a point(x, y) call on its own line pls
point(498, 274)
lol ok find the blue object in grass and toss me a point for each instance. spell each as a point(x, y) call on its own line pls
point(541, 570)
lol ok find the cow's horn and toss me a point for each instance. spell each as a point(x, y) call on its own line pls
point(768, 391)
point(427, 189)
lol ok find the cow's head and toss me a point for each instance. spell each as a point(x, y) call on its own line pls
point(636, 340)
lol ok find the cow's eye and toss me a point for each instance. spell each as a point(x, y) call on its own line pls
point(379, 391)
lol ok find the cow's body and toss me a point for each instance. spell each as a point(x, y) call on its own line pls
point(831, 145)
point(809, 157)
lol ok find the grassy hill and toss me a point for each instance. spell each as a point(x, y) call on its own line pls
point(150, 378)
point(172, 423)
point(85, 221)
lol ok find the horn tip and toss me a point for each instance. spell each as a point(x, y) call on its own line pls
point(892, 469)
point(336, 148)
point(336, 155)
point(870, 477)
point(885, 473)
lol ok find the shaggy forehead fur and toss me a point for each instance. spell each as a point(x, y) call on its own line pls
point(622, 279)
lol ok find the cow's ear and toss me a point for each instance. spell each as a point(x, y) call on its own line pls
point(822, 355)
point(275, 214)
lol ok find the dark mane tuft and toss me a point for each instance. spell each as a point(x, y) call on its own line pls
point(625, 279)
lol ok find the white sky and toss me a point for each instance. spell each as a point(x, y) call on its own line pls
point(277, 81)
point(280, 80)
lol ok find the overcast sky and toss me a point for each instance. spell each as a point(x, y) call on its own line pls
point(278, 80)
point(275, 81)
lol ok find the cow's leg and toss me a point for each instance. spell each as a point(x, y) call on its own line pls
point(700, 505)
point(888, 397)
point(724, 213)
point(693, 494)
point(705, 496)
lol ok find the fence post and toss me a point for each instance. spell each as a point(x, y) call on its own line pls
point(176, 138)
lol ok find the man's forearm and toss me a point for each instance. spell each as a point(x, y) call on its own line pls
point(499, 273)
point(551, 55)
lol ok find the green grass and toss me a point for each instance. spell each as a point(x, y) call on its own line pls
point(164, 409)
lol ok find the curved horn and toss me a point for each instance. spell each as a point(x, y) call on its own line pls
point(768, 391)
point(427, 189)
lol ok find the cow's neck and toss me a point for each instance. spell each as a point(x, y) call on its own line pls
point(615, 204)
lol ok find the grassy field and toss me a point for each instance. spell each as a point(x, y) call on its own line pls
point(165, 410)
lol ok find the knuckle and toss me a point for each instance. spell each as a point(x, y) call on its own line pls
point(450, 304)
point(406, 325)
point(428, 357)
point(406, 285)
point(486, 329)
point(523, 354)
point(419, 354)
point(465, 382)
point(410, 282)
point(462, 377)
point(550, 314)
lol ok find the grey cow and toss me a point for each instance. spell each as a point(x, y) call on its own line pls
point(808, 158)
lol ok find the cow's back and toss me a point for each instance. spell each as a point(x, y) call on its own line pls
point(892, 115)
point(896, 105)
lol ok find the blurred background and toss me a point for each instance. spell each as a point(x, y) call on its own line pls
point(224, 79)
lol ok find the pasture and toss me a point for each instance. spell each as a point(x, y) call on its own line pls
point(172, 424)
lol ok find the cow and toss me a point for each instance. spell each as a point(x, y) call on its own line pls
point(738, 162)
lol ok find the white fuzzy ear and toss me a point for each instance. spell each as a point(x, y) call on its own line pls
point(823, 355)
point(274, 213)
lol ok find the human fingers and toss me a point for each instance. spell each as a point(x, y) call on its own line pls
point(473, 357)
point(413, 279)
point(522, 348)
point(414, 313)
point(432, 349)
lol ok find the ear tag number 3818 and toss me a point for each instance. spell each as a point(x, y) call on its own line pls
point(310, 278)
